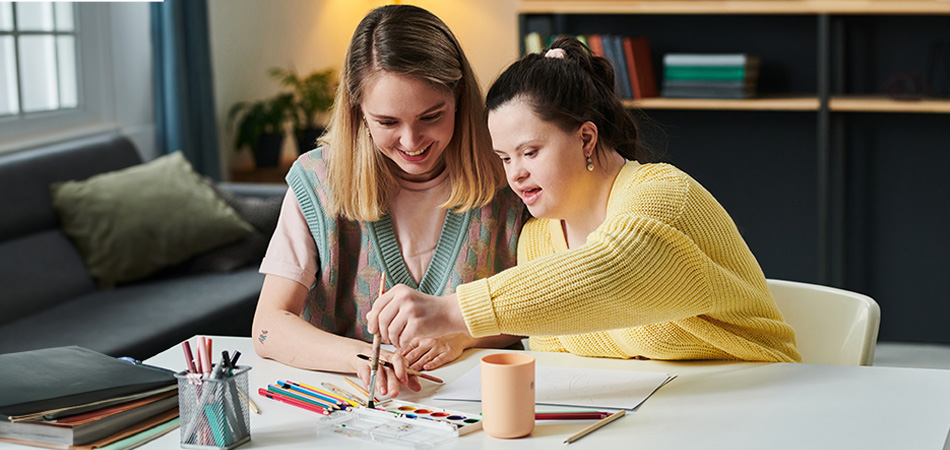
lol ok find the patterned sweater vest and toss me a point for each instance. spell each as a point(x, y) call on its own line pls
point(352, 255)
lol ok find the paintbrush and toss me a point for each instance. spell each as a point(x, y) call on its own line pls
point(409, 371)
point(374, 364)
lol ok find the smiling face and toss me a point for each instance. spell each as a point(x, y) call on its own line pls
point(411, 122)
point(545, 165)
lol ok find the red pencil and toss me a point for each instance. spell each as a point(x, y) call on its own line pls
point(570, 415)
point(290, 401)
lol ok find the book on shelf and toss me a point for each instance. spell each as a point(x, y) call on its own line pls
point(92, 426)
point(47, 382)
point(639, 67)
point(613, 50)
point(629, 57)
point(722, 75)
point(532, 43)
point(596, 44)
point(710, 59)
point(709, 73)
point(708, 92)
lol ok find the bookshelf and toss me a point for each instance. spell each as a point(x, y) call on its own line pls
point(808, 168)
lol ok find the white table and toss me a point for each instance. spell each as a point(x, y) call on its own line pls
point(711, 405)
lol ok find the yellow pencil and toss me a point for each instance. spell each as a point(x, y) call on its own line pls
point(358, 387)
point(330, 394)
point(594, 426)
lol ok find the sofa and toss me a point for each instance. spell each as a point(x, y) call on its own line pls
point(48, 298)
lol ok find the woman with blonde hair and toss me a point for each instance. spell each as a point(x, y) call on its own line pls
point(403, 183)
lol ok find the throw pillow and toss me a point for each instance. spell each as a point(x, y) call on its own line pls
point(261, 212)
point(132, 222)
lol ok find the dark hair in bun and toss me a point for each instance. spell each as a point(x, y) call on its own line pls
point(569, 91)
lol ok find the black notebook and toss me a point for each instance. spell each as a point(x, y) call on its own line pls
point(61, 377)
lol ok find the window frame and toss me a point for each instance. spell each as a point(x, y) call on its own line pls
point(95, 111)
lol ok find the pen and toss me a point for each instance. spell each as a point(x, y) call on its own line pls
point(274, 396)
point(204, 358)
point(594, 426)
point(409, 371)
point(189, 358)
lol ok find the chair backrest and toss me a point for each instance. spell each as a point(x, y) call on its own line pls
point(832, 326)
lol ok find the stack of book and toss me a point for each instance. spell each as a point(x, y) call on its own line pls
point(724, 75)
point(74, 398)
point(629, 56)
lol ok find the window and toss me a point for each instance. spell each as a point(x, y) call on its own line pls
point(38, 56)
point(54, 72)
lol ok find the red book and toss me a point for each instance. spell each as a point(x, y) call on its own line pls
point(640, 67)
point(596, 44)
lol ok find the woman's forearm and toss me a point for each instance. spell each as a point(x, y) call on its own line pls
point(279, 333)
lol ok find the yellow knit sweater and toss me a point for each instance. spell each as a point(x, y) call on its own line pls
point(666, 276)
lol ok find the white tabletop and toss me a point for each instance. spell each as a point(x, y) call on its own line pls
point(711, 405)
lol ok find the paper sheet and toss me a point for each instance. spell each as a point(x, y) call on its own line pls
point(571, 386)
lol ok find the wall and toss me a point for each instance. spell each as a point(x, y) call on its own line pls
point(250, 36)
point(131, 50)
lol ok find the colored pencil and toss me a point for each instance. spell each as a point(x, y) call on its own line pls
point(324, 392)
point(311, 400)
point(290, 401)
point(595, 426)
point(409, 371)
point(338, 390)
point(250, 402)
point(358, 388)
point(570, 415)
point(323, 398)
point(374, 364)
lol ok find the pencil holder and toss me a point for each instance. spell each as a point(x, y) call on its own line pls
point(214, 412)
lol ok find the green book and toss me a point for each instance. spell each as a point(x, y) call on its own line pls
point(707, 73)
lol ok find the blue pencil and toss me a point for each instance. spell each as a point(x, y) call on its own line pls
point(317, 395)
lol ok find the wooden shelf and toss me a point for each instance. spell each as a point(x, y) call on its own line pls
point(768, 103)
point(734, 7)
point(880, 103)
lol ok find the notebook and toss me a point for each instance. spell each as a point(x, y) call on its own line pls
point(62, 377)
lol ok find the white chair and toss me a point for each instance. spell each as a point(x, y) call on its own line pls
point(832, 326)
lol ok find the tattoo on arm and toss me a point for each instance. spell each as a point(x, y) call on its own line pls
point(263, 336)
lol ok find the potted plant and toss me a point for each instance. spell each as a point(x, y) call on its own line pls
point(260, 127)
point(313, 95)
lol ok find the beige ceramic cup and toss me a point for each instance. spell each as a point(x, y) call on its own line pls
point(508, 395)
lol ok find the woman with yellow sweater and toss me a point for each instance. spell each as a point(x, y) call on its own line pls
point(623, 259)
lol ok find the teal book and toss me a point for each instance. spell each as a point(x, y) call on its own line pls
point(721, 73)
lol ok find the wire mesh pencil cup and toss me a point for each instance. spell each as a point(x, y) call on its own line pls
point(214, 412)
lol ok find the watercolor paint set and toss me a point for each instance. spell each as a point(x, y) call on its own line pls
point(402, 423)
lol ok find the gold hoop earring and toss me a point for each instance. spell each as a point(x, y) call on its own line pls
point(590, 164)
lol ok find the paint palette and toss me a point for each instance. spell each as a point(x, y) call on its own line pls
point(402, 423)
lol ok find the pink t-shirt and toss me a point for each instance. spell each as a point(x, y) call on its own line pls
point(417, 221)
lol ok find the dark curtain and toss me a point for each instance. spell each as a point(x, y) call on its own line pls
point(184, 87)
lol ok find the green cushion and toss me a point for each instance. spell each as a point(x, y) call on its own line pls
point(129, 223)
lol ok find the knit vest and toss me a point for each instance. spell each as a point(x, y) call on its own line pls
point(352, 255)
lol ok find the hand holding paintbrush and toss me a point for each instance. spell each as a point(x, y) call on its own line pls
point(374, 364)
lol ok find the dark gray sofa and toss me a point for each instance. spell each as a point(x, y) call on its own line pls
point(48, 299)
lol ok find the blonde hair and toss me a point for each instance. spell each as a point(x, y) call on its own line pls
point(411, 41)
